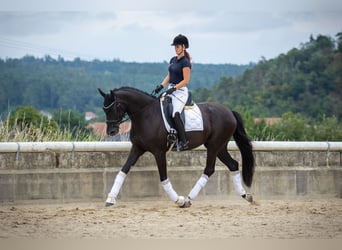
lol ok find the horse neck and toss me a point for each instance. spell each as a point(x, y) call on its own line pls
point(135, 101)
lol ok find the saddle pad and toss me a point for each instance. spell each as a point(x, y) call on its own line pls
point(193, 118)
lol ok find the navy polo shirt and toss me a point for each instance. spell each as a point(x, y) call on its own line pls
point(176, 68)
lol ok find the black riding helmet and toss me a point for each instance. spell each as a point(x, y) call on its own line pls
point(180, 39)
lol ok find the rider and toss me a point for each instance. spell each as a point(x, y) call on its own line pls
point(177, 78)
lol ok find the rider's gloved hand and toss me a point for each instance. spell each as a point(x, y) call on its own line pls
point(158, 88)
point(170, 90)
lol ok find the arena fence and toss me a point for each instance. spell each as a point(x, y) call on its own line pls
point(84, 171)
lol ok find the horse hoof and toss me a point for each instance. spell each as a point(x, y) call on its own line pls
point(110, 201)
point(108, 204)
point(248, 197)
point(187, 204)
point(181, 201)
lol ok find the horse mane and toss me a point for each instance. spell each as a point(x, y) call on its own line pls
point(135, 90)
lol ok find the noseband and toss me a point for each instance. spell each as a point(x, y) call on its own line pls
point(116, 121)
point(125, 116)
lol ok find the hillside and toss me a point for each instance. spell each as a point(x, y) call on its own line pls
point(51, 84)
point(307, 80)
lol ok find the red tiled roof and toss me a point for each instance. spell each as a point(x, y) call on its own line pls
point(99, 128)
point(268, 120)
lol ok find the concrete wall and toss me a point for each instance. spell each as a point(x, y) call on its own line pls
point(58, 176)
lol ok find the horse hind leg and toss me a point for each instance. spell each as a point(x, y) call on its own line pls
point(233, 166)
point(201, 182)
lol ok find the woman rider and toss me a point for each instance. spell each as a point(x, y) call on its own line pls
point(177, 78)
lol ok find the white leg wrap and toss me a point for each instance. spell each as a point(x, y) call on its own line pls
point(202, 181)
point(236, 176)
point(169, 190)
point(119, 180)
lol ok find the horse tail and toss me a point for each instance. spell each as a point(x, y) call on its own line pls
point(246, 149)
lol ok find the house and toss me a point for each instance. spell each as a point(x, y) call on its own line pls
point(90, 116)
point(100, 128)
point(268, 120)
point(45, 113)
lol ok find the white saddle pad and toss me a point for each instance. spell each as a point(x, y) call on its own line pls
point(193, 118)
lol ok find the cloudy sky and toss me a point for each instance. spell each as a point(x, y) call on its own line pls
point(142, 31)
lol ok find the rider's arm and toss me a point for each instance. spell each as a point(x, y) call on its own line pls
point(166, 80)
point(186, 78)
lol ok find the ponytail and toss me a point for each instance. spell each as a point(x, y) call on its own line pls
point(187, 55)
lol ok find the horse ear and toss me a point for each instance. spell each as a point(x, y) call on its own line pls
point(112, 95)
point(101, 92)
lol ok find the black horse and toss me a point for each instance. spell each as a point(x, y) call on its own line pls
point(148, 133)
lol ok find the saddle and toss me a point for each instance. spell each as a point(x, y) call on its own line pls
point(168, 109)
point(191, 117)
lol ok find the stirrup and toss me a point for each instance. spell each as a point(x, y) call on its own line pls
point(183, 145)
point(171, 137)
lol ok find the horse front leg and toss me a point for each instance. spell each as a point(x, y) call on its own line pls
point(166, 183)
point(133, 156)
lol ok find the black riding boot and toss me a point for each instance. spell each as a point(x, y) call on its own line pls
point(183, 142)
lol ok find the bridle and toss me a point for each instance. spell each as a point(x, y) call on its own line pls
point(125, 117)
point(118, 121)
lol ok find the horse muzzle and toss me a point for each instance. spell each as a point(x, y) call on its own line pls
point(112, 130)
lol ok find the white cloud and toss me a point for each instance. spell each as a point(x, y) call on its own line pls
point(29, 23)
point(235, 33)
point(173, 6)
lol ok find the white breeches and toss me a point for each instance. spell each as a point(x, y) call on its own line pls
point(179, 98)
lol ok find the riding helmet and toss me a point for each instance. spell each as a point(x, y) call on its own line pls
point(180, 39)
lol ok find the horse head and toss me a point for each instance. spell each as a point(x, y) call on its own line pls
point(114, 111)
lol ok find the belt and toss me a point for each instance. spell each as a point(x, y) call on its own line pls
point(171, 85)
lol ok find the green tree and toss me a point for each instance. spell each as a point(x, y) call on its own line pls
point(307, 81)
point(27, 124)
point(339, 41)
point(69, 120)
point(327, 129)
point(292, 127)
point(28, 116)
